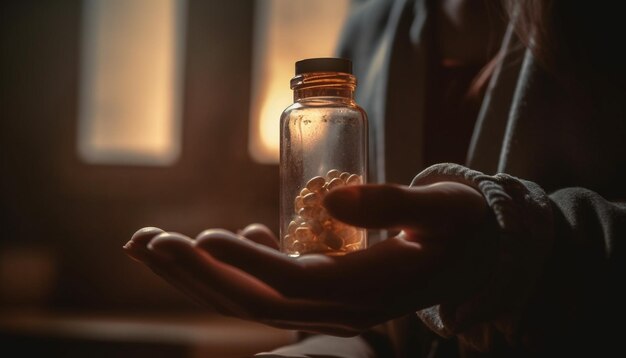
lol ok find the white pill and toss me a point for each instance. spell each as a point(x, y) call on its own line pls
point(303, 234)
point(335, 183)
point(298, 204)
point(353, 179)
point(310, 199)
point(316, 183)
point(307, 212)
point(332, 174)
point(333, 241)
point(291, 229)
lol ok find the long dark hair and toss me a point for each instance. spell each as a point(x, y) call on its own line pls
point(577, 41)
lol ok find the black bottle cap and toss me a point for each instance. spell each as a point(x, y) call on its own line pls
point(323, 64)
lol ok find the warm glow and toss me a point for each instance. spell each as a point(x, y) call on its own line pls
point(272, 106)
point(286, 31)
point(131, 81)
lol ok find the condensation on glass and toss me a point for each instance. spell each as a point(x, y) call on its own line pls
point(323, 146)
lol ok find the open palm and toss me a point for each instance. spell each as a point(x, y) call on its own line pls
point(437, 257)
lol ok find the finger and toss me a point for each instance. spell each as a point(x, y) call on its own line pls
point(136, 246)
point(423, 209)
point(260, 234)
point(371, 206)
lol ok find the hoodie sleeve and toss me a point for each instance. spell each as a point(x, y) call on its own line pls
point(555, 274)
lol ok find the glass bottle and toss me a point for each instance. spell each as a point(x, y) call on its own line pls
point(323, 145)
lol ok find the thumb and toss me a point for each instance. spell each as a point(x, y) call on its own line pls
point(372, 206)
point(437, 207)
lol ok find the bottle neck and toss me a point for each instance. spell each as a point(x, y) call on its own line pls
point(336, 85)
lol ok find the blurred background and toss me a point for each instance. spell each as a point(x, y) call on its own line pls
point(120, 114)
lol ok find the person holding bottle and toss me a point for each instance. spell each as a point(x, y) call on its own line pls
point(511, 234)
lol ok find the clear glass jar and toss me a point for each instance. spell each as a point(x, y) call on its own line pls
point(323, 145)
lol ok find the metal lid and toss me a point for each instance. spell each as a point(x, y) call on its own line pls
point(323, 64)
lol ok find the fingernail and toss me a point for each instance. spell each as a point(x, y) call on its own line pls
point(208, 233)
point(144, 235)
point(169, 245)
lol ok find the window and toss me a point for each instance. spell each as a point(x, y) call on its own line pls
point(130, 84)
point(285, 31)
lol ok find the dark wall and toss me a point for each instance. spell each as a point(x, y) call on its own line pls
point(80, 215)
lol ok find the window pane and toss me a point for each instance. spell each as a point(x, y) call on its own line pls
point(131, 71)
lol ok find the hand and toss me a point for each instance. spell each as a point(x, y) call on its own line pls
point(437, 257)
